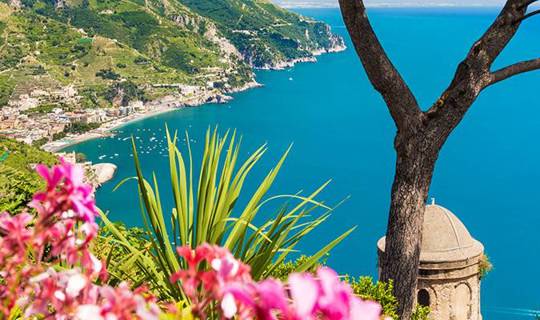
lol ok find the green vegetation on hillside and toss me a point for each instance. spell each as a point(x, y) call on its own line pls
point(18, 180)
point(264, 32)
point(94, 44)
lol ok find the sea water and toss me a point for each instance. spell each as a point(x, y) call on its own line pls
point(487, 173)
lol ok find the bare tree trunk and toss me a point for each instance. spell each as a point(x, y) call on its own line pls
point(414, 168)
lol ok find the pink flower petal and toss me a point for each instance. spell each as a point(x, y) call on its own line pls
point(304, 292)
point(228, 305)
point(365, 310)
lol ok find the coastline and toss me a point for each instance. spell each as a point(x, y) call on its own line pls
point(105, 130)
point(313, 58)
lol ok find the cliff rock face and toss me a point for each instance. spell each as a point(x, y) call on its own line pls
point(187, 21)
point(227, 48)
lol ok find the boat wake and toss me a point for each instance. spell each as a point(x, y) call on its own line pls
point(515, 311)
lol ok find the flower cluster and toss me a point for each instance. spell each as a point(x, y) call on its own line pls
point(47, 271)
point(47, 267)
point(228, 282)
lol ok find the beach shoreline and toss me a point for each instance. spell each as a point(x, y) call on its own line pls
point(107, 128)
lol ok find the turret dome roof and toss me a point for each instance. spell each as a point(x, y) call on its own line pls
point(444, 237)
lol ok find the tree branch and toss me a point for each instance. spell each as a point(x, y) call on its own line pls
point(528, 15)
point(381, 72)
point(514, 69)
point(473, 73)
point(527, 3)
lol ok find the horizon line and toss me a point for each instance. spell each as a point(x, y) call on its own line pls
point(395, 6)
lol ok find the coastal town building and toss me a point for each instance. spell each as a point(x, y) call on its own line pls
point(44, 116)
point(449, 273)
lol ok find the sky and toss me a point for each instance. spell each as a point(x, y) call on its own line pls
point(394, 3)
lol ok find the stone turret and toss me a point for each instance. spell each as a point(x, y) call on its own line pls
point(449, 273)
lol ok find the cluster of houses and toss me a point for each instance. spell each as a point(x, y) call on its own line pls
point(19, 122)
point(26, 119)
point(45, 116)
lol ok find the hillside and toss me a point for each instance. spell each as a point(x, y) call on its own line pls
point(69, 66)
point(265, 34)
point(18, 180)
point(91, 44)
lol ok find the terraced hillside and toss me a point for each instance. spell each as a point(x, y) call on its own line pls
point(93, 45)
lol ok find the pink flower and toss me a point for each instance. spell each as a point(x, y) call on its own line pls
point(193, 257)
point(228, 305)
point(226, 266)
point(30, 256)
point(304, 293)
point(13, 230)
point(65, 191)
point(52, 177)
point(239, 298)
point(365, 310)
point(88, 311)
point(326, 297)
point(272, 299)
point(334, 297)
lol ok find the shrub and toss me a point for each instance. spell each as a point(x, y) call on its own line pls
point(106, 248)
point(129, 90)
point(6, 88)
point(18, 182)
point(41, 109)
point(141, 60)
point(485, 266)
point(420, 313)
point(40, 142)
point(284, 270)
point(81, 127)
point(108, 74)
point(379, 291)
point(59, 135)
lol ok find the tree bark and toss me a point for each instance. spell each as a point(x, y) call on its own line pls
point(414, 168)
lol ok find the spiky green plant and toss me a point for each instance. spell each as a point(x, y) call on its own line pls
point(208, 212)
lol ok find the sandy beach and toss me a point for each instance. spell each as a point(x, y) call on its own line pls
point(103, 131)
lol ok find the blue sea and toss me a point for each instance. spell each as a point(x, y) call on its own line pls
point(488, 172)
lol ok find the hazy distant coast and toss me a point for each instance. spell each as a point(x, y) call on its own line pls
point(327, 4)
